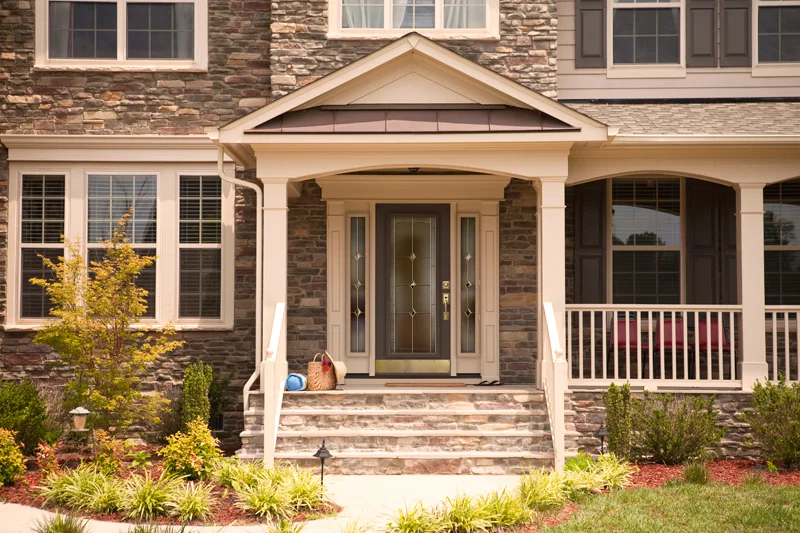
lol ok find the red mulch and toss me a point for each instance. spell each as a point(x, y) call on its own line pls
point(731, 472)
point(224, 511)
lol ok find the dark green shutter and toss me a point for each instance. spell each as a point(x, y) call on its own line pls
point(701, 33)
point(590, 33)
point(590, 243)
point(735, 38)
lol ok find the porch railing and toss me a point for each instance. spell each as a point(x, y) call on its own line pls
point(554, 383)
point(273, 383)
point(656, 346)
point(783, 342)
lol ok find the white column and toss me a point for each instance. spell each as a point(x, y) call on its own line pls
point(551, 264)
point(274, 287)
point(750, 233)
point(337, 255)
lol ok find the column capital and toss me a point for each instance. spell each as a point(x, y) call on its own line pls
point(750, 186)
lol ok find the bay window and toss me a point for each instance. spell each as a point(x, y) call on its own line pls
point(154, 34)
point(185, 219)
point(397, 17)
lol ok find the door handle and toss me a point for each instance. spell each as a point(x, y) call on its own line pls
point(446, 302)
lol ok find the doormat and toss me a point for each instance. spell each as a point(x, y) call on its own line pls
point(427, 384)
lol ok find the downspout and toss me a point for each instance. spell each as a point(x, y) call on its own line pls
point(259, 266)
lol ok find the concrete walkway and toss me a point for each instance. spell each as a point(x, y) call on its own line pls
point(369, 499)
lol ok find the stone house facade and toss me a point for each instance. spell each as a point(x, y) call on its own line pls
point(545, 112)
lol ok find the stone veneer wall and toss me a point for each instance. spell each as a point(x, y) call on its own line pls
point(518, 291)
point(736, 443)
point(307, 277)
point(300, 51)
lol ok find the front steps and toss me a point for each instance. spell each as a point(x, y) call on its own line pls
point(472, 430)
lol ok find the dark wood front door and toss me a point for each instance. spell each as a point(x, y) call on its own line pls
point(412, 283)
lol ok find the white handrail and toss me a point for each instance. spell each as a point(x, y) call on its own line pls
point(554, 383)
point(273, 381)
point(277, 326)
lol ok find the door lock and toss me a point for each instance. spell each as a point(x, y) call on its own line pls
point(446, 302)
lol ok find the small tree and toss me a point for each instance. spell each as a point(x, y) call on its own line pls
point(196, 404)
point(95, 307)
point(619, 419)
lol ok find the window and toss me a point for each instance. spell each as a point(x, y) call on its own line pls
point(200, 246)
point(646, 32)
point(42, 210)
point(782, 243)
point(358, 284)
point(645, 240)
point(190, 283)
point(468, 277)
point(397, 17)
point(158, 34)
point(778, 31)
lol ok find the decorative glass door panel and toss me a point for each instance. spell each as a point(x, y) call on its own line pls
point(413, 289)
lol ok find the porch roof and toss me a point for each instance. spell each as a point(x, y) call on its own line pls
point(693, 118)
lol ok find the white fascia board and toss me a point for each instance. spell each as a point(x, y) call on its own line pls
point(530, 140)
point(649, 139)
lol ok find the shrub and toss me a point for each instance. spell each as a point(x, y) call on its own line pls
point(145, 498)
point(196, 405)
point(580, 483)
point(541, 490)
point(613, 471)
point(23, 411)
point(671, 429)
point(304, 491)
point(505, 510)
point(108, 453)
point(104, 496)
point(12, 462)
point(61, 524)
point(464, 514)
point(140, 459)
point(696, 471)
point(583, 462)
point(264, 499)
point(775, 421)
point(415, 519)
point(95, 307)
point(58, 417)
point(192, 454)
point(190, 501)
point(46, 457)
point(83, 488)
point(231, 470)
point(217, 399)
point(619, 419)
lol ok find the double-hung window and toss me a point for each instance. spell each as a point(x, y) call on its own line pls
point(396, 17)
point(185, 219)
point(778, 25)
point(782, 243)
point(154, 34)
point(646, 240)
point(646, 32)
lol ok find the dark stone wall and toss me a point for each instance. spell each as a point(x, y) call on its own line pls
point(300, 51)
point(307, 277)
point(518, 290)
point(737, 443)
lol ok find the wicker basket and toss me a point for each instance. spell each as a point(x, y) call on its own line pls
point(318, 378)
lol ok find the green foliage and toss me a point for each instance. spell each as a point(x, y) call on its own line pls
point(772, 468)
point(505, 510)
point(614, 471)
point(190, 501)
point(619, 419)
point(415, 519)
point(61, 524)
point(108, 452)
point(464, 514)
point(23, 411)
point(95, 306)
point(582, 462)
point(264, 499)
point(752, 478)
point(140, 459)
point(696, 471)
point(192, 454)
point(542, 490)
point(285, 526)
point(12, 462)
point(104, 495)
point(775, 421)
point(196, 405)
point(230, 470)
point(145, 498)
point(673, 429)
point(217, 399)
point(84, 488)
point(303, 489)
point(46, 457)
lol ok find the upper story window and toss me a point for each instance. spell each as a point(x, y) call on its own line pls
point(394, 18)
point(122, 34)
point(664, 38)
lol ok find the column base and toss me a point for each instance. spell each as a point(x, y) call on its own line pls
point(752, 372)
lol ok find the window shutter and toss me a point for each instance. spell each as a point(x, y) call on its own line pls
point(590, 33)
point(590, 243)
point(735, 23)
point(701, 33)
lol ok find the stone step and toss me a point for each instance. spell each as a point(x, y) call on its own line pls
point(404, 399)
point(475, 462)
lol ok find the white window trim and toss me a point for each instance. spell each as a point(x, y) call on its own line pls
point(680, 248)
point(770, 70)
point(167, 245)
point(645, 70)
point(198, 64)
point(491, 32)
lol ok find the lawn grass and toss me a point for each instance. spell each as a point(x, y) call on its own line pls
point(686, 508)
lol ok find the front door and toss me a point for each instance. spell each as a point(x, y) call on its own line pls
point(413, 306)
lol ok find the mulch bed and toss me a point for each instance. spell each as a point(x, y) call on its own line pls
point(731, 472)
point(224, 511)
